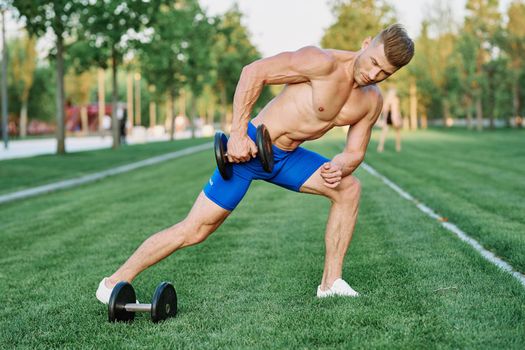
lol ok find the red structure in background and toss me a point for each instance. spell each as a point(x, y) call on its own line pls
point(74, 122)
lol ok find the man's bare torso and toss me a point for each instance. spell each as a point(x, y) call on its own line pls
point(307, 110)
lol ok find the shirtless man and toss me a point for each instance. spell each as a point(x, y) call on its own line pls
point(324, 88)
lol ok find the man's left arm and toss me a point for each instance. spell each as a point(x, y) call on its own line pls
point(357, 140)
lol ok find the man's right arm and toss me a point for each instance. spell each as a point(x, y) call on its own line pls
point(285, 68)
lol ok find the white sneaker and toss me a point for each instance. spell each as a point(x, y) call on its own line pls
point(103, 293)
point(339, 288)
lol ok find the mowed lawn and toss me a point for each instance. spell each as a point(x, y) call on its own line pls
point(252, 283)
point(476, 180)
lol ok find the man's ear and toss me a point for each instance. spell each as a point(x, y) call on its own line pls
point(366, 43)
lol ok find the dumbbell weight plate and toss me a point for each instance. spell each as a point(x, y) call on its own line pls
point(220, 145)
point(122, 294)
point(264, 146)
point(164, 302)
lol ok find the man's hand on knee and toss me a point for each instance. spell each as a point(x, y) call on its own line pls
point(332, 174)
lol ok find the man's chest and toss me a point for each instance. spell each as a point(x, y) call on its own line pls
point(338, 102)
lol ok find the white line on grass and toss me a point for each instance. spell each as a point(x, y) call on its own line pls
point(449, 226)
point(35, 191)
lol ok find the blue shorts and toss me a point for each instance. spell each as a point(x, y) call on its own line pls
point(291, 170)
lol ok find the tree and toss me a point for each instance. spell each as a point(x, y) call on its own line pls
point(62, 18)
point(356, 20)
point(198, 60)
point(23, 66)
point(78, 88)
point(514, 45)
point(162, 58)
point(233, 50)
point(421, 69)
point(482, 23)
point(107, 27)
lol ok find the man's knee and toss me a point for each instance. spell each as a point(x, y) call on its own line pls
point(349, 188)
point(195, 231)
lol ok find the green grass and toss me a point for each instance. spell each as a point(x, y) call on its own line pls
point(252, 283)
point(17, 174)
point(476, 180)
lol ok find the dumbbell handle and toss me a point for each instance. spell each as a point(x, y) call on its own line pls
point(137, 307)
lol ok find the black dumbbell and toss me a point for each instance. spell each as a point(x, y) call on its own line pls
point(264, 151)
point(122, 303)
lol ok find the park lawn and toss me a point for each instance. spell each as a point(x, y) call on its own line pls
point(475, 180)
point(18, 174)
point(252, 283)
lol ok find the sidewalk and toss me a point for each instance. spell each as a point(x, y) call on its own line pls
point(29, 148)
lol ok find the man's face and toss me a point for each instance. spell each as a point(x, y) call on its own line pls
point(371, 65)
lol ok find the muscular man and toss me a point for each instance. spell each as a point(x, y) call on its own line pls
point(324, 89)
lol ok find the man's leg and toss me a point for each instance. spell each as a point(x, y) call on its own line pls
point(204, 218)
point(398, 139)
point(341, 221)
point(382, 138)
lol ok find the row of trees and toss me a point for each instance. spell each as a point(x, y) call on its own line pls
point(174, 45)
point(473, 70)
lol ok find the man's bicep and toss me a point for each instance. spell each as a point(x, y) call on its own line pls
point(292, 67)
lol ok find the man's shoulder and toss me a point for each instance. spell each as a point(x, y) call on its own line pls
point(374, 101)
point(316, 54)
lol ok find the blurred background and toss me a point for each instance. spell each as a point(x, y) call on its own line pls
point(111, 72)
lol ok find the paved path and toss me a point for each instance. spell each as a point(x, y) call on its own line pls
point(29, 148)
point(35, 191)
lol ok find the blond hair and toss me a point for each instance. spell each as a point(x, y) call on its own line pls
point(399, 48)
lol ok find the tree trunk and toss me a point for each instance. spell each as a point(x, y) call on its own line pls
point(424, 121)
point(60, 131)
point(469, 112)
point(115, 122)
point(193, 117)
point(84, 119)
point(224, 106)
point(5, 116)
point(23, 119)
point(138, 116)
point(152, 114)
point(491, 101)
point(516, 107)
point(479, 112)
point(182, 103)
point(101, 99)
point(210, 111)
point(413, 105)
point(446, 112)
point(129, 98)
point(170, 115)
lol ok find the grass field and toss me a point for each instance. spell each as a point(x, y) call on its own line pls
point(475, 180)
point(252, 283)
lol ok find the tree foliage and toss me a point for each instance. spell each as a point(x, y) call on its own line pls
point(357, 20)
point(233, 50)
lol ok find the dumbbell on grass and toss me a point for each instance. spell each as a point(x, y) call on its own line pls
point(122, 303)
point(264, 152)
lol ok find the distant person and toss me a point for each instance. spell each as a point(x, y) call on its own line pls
point(122, 117)
point(391, 116)
point(106, 125)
